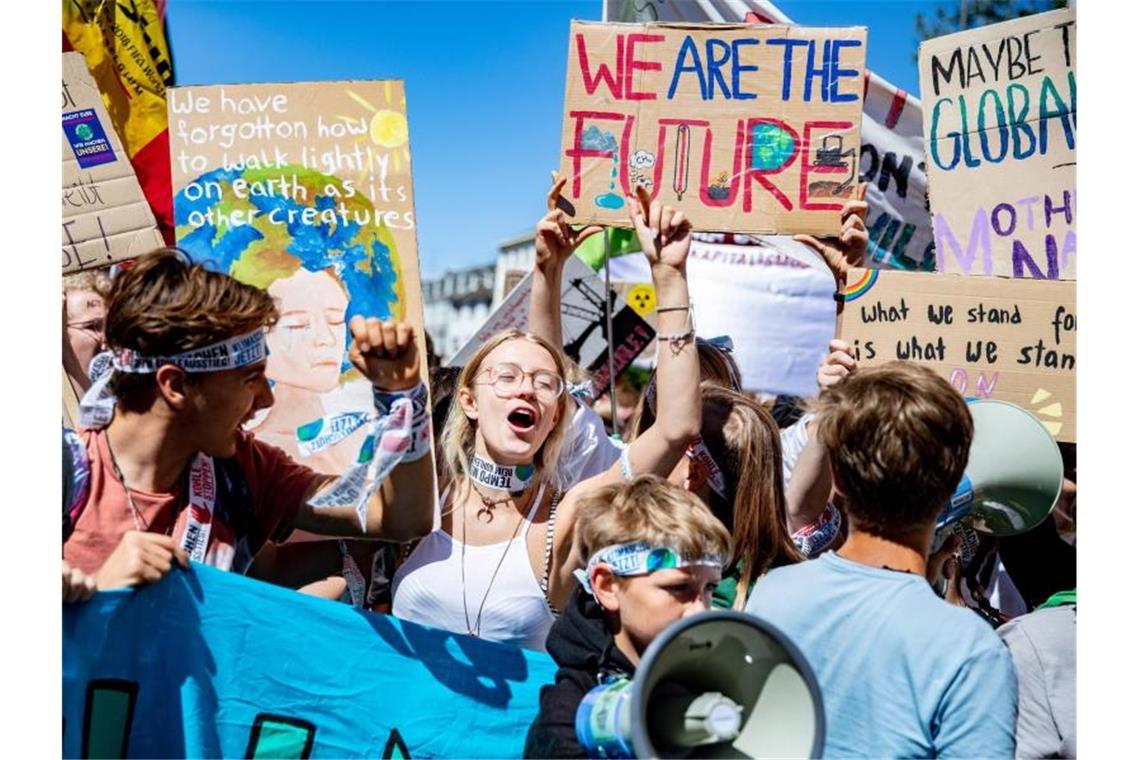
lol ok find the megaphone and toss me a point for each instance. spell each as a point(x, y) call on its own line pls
point(1013, 477)
point(715, 684)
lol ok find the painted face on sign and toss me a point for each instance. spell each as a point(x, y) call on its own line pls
point(306, 347)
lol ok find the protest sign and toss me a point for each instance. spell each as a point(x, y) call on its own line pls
point(773, 298)
point(891, 155)
point(106, 218)
point(305, 190)
point(1008, 339)
point(1000, 115)
point(211, 664)
point(584, 328)
point(744, 128)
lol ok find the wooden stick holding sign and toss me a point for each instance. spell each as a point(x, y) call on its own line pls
point(1007, 339)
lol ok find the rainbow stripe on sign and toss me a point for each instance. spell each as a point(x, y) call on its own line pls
point(865, 283)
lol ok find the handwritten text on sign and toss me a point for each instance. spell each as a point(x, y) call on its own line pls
point(1008, 339)
point(1000, 115)
point(745, 128)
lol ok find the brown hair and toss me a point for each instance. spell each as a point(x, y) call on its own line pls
point(744, 440)
point(164, 305)
point(651, 509)
point(898, 437)
point(717, 365)
point(458, 438)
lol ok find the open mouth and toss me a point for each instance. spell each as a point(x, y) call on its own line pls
point(522, 420)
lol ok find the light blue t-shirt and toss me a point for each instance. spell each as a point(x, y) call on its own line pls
point(902, 673)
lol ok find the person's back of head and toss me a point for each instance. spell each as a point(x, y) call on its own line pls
point(163, 305)
point(898, 437)
point(717, 366)
point(744, 443)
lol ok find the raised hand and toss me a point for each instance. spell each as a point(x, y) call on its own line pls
point(554, 239)
point(665, 234)
point(385, 352)
point(838, 364)
point(139, 559)
point(849, 250)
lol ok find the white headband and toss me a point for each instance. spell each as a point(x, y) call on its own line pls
point(98, 404)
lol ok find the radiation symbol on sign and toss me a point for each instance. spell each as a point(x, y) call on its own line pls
point(1050, 410)
point(642, 299)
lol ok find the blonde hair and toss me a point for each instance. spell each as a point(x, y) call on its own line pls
point(458, 438)
point(651, 509)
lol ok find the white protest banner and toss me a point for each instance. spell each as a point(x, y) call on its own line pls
point(1000, 112)
point(891, 158)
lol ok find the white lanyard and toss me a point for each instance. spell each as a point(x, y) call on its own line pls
point(200, 516)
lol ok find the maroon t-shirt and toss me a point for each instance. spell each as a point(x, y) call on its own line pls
point(276, 486)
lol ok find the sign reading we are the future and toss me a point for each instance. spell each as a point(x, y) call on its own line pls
point(745, 128)
point(1000, 116)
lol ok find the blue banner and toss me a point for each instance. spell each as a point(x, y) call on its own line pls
point(211, 664)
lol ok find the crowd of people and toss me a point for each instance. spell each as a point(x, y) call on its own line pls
point(547, 532)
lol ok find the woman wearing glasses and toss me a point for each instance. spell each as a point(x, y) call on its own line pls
point(499, 564)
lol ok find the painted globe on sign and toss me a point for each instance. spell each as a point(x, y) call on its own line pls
point(772, 146)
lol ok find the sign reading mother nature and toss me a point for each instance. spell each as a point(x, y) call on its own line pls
point(1002, 338)
point(1000, 115)
point(745, 128)
point(304, 190)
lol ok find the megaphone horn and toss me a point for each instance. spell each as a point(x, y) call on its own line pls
point(1013, 477)
point(716, 684)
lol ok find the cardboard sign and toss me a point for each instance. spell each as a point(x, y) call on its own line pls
point(1007, 339)
point(1000, 116)
point(745, 128)
point(305, 190)
point(106, 217)
point(583, 324)
point(891, 158)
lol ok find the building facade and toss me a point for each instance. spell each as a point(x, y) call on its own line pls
point(456, 305)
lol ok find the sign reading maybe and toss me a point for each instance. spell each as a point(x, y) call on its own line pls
point(745, 128)
point(585, 332)
point(305, 190)
point(1008, 339)
point(1000, 116)
point(106, 218)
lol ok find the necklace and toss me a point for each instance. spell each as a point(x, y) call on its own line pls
point(463, 567)
point(136, 515)
point(487, 511)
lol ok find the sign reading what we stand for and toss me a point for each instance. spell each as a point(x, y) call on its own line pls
point(745, 128)
point(1000, 116)
point(992, 337)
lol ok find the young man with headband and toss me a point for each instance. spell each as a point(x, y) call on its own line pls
point(653, 554)
point(903, 673)
point(164, 471)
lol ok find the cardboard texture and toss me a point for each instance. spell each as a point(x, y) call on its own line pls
point(583, 324)
point(1008, 339)
point(1000, 118)
point(106, 217)
point(304, 189)
point(745, 128)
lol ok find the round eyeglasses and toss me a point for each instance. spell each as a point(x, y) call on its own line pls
point(507, 379)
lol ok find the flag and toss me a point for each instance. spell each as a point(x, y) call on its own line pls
point(891, 161)
point(622, 242)
point(124, 44)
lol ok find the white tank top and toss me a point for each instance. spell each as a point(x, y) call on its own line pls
point(428, 588)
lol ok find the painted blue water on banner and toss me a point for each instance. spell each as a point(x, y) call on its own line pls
point(211, 664)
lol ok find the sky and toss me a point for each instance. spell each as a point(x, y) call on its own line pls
point(484, 81)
